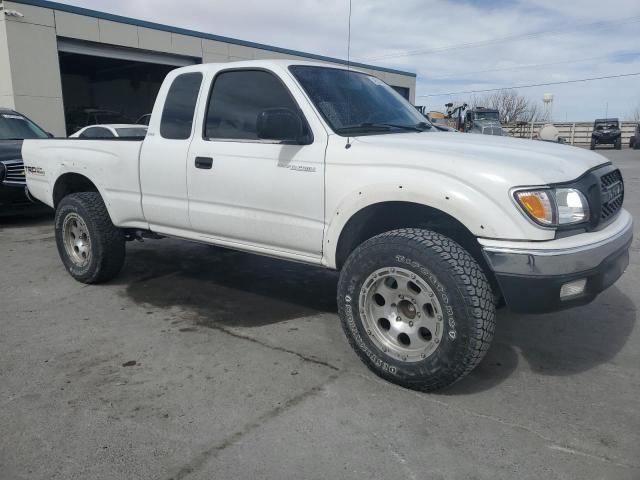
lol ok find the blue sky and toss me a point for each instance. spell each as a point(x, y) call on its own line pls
point(555, 40)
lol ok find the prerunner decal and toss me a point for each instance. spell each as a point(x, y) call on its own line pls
point(34, 171)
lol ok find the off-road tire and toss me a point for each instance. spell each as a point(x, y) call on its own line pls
point(636, 144)
point(460, 286)
point(632, 141)
point(593, 144)
point(107, 243)
point(618, 144)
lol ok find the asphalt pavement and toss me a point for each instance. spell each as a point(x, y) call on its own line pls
point(203, 363)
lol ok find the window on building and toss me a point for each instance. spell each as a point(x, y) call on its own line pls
point(236, 100)
point(404, 91)
point(179, 106)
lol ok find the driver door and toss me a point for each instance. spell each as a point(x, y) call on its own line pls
point(243, 190)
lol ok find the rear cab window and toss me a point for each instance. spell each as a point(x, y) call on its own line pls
point(179, 106)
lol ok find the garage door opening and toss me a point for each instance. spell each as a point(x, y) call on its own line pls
point(99, 89)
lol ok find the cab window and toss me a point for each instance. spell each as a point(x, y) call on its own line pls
point(238, 97)
point(179, 106)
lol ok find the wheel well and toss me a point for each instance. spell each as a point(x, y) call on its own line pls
point(382, 217)
point(71, 183)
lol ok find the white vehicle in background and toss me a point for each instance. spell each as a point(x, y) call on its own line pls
point(116, 130)
point(331, 167)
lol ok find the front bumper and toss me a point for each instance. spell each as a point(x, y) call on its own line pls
point(532, 274)
point(607, 138)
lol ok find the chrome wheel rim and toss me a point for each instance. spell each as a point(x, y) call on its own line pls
point(401, 314)
point(77, 243)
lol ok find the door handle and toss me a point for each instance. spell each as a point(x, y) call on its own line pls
point(204, 162)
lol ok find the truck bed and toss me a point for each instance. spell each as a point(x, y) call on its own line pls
point(112, 165)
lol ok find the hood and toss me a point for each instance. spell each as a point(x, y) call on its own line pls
point(10, 150)
point(508, 161)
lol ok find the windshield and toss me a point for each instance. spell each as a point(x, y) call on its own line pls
point(486, 116)
point(607, 126)
point(17, 127)
point(355, 103)
point(131, 132)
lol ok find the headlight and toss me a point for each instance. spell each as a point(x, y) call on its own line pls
point(554, 207)
point(572, 206)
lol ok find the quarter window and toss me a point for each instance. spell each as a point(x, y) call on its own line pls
point(179, 106)
point(236, 100)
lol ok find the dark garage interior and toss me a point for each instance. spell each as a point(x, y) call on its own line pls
point(123, 89)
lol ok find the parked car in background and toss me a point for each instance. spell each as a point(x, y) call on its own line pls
point(606, 131)
point(634, 141)
point(118, 130)
point(14, 128)
point(144, 119)
point(84, 117)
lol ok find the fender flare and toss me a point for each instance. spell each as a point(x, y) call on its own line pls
point(481, 215)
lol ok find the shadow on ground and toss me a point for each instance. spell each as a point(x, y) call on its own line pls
point(223, 287)
point(557, 344)
point(36, 218)
point(228, 288)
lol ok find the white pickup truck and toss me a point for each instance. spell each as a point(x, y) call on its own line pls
point(430, 230)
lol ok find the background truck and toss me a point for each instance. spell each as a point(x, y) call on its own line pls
point(485, 121)
point(331, 167)
point(606, 131)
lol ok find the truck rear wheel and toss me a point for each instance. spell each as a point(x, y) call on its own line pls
point(90, 246)
point(416, 308)
point(618, 144)
point(593, 144)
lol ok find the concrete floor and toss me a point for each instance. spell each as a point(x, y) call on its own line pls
point(238, 369)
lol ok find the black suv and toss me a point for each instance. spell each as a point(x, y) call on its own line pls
point(14, 128)
point(634, 141)
point(606, 131)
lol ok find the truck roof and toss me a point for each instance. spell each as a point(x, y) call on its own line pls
point(606, 120)
point(205, 67)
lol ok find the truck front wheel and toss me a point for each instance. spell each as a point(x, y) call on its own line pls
point(91, 248)
point(416, 308)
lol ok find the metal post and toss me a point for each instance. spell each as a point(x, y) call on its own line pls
point(573, 132)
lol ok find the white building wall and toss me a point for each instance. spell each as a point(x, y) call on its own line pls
point(29, 66)
point(33, 66)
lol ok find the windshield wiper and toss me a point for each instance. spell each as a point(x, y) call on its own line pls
point(420, 127)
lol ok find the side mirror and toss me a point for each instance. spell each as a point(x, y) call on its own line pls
point(281, 124)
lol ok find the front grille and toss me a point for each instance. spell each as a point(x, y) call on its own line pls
point(15, 172)
point(612, 194)
point(492, 131)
